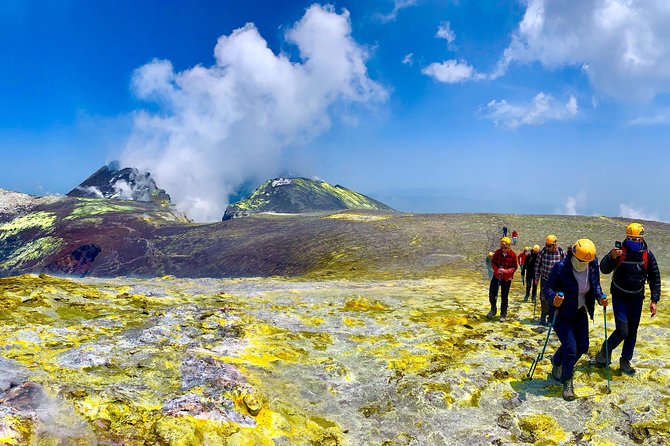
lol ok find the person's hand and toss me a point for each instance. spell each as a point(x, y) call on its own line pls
point(616, 252)
point(652, 308)
point(535, 281)
point(603, 301)
point(558, 300)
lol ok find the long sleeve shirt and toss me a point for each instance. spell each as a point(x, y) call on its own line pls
point(546, 261)
point(506, 263)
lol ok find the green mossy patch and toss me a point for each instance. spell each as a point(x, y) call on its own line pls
point(89, 207)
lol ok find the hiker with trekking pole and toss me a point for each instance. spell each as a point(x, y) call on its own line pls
point(549, 256)
point(577, 277)
point(633, 265)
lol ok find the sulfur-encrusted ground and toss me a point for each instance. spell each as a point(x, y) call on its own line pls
point(271, 361)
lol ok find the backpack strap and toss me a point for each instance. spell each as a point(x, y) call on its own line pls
point(622, 258)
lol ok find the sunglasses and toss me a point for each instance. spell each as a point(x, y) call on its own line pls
point(549, 245)
point(634, 239)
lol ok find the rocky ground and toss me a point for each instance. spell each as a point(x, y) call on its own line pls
point(293, 362)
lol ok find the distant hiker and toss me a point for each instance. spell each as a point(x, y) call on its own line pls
point(633, 264)
point(578, 278)
point(504, 264)
point(515, 236)
point(504, 231)
point(522, 256)
point(549, 256)
point(487, 262)
point(528, 271)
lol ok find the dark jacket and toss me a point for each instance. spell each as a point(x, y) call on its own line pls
point(629, 277)
point(528, 266)
point(562, 279)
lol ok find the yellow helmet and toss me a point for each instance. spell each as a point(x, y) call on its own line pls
point(635, 230)
point(506, 240)
point(550, 240)
point(526, 248)
point(490, 255)
point(536, 248)
point(584, 250)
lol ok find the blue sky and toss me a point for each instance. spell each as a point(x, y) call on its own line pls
point(431, 106)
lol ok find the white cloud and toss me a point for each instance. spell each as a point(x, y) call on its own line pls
point(661, 118)
point(408, 59)
point(218, 126)
point(397, 6)
point(628, 211)
point(622, 45)
point(444, 32)
point(543, 108)
point(450, 71)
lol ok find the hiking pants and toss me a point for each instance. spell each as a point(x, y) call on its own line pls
point(574, 337)
point(543, 303)
point(531, 283)
point(627, 313)
point(504, 292)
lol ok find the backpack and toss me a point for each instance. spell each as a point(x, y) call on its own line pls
point(543, 251)
point(622, 258)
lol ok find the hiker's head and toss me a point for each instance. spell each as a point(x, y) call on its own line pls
point(551, 242)
point(526, 248)
point(536, 248)
point(490, 255)
point(635, 236)
point(504, 243)
point(583, 251)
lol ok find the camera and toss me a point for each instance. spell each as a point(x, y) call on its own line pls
point(617, 244)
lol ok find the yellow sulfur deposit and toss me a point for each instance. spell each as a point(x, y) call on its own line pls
point(172, 361)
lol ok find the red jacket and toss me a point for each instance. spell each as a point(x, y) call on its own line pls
point(514, 234)
point(507, 264)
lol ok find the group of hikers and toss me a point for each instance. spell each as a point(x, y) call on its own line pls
point(569, 288)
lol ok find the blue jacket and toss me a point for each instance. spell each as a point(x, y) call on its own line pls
point(562, 279)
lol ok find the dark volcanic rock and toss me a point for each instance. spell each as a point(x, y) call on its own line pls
point(79, 262)
point(23, 397)
point(301, 195)
point(126, 184)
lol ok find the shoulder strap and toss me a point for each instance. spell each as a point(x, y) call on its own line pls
point(622, 258)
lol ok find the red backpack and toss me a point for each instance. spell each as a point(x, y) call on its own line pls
point(622, 258)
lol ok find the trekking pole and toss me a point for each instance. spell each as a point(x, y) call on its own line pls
point(540, 355)
point(607, 354)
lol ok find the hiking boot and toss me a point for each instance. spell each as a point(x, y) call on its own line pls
point(625, 367)
point(503, 317)
point(601, 360)
point(491, 314)
point(525, 298)
point(556, 371)
point(543, 321)
point(568, 390)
